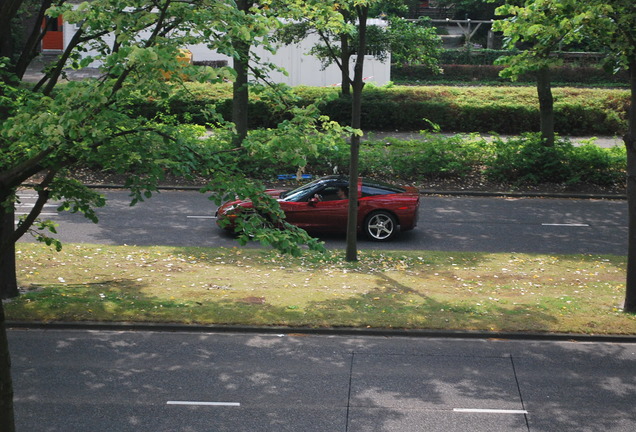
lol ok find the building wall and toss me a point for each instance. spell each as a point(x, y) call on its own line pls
point(302, 69)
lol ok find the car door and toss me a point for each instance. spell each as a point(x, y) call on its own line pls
point(326, 211)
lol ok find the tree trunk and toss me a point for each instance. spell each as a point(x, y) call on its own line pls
point(352, 221)
point(7, 422)
point(356, 121)
point(30, 50)
point(240, 96)
point(240, 100)
point(8, 10)
point(546, 105)
point(8, 281)
point(630, 143)
point(345, 57)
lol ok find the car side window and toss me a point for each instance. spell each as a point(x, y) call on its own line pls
point(333, 193)
point(330, 193)
point(376, 189)
point(372, 191)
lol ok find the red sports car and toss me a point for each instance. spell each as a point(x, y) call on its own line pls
point(322, 206)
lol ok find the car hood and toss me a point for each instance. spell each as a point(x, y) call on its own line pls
point(274, 192)
point(248, 203)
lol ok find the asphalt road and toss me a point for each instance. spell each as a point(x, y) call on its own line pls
point(532, 225)
point(78, 381)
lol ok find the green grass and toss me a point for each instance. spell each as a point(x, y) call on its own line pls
point(389, 289)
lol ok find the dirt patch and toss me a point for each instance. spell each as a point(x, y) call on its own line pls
point(252, 300)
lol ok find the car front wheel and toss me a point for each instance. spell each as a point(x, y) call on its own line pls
point(380, 226)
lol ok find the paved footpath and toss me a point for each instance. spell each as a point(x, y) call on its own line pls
point(603, 141)
point(137, 381)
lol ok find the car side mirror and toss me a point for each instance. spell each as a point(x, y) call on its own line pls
point(313, 201)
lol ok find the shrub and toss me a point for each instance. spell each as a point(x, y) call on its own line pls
point(594, 165)
point(517, 160)
point(526, 160)
point(434, 156)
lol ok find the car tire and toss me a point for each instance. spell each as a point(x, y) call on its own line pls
point(380, 226)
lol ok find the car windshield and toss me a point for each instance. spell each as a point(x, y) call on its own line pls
point(304, 193)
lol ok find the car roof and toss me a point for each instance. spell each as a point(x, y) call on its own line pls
point(365, 182)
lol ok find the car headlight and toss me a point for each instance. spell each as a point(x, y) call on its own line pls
point(228, 209)
point(231, 212)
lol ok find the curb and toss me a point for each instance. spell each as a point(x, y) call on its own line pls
point(558, 195)
point(323, 331)
point(562, 195)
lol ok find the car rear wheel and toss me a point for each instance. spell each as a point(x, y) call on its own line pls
point(380, 226)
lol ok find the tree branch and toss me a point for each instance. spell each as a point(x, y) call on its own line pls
point(36, 35)
point(332, 53)
point(43, 197)
point(149, 42)
point(52, 77)
point(13, 177)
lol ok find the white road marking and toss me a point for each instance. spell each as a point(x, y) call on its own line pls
point(23, 208)
point(195, 403)
point(489, 411)
point(566, 225)
point(31, 205)
point(41, 214)
point(201, 217)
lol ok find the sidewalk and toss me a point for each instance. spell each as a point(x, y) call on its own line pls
point(604, 141)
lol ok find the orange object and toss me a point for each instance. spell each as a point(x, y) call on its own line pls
point(53, 39)
point(185, 58)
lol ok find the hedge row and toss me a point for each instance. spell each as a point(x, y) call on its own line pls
point(588, 75)
point(472, 57)
point(504, 110)
point(481, 56)
point(522, 160)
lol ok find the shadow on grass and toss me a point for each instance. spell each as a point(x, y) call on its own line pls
point(389, 305)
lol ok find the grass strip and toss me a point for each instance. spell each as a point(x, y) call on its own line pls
point(507, 292)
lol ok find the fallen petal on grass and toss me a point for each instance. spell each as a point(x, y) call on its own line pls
point(425, 290)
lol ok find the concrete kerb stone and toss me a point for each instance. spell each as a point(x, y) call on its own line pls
point(322, 331)
point(562, 195)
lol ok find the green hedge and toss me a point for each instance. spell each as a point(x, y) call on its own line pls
point(522, 160)
point(472, 57)
point(466, 73)
point(486, 109)
point(504, 110)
